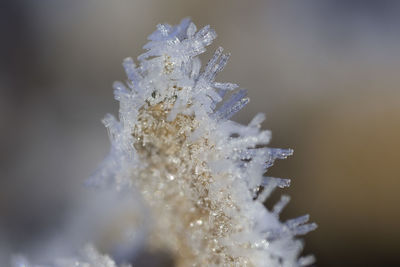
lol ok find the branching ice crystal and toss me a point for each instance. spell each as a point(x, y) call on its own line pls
point(200, 174)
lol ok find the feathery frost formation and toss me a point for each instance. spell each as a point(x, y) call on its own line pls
point(200, 174)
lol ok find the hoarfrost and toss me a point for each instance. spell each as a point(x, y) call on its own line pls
point(201, 174)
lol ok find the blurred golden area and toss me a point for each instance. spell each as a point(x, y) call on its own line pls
point(326, 73)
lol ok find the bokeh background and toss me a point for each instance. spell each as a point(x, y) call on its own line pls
point(326, 73)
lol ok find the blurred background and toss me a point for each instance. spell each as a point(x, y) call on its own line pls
point(326, 73)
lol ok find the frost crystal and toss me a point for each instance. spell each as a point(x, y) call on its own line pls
point(200, 174)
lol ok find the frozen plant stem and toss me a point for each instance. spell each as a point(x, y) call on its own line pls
point(200, 174)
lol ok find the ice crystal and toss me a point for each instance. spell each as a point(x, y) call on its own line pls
point(201, 175)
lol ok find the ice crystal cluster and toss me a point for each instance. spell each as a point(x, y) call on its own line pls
point(201, 175)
